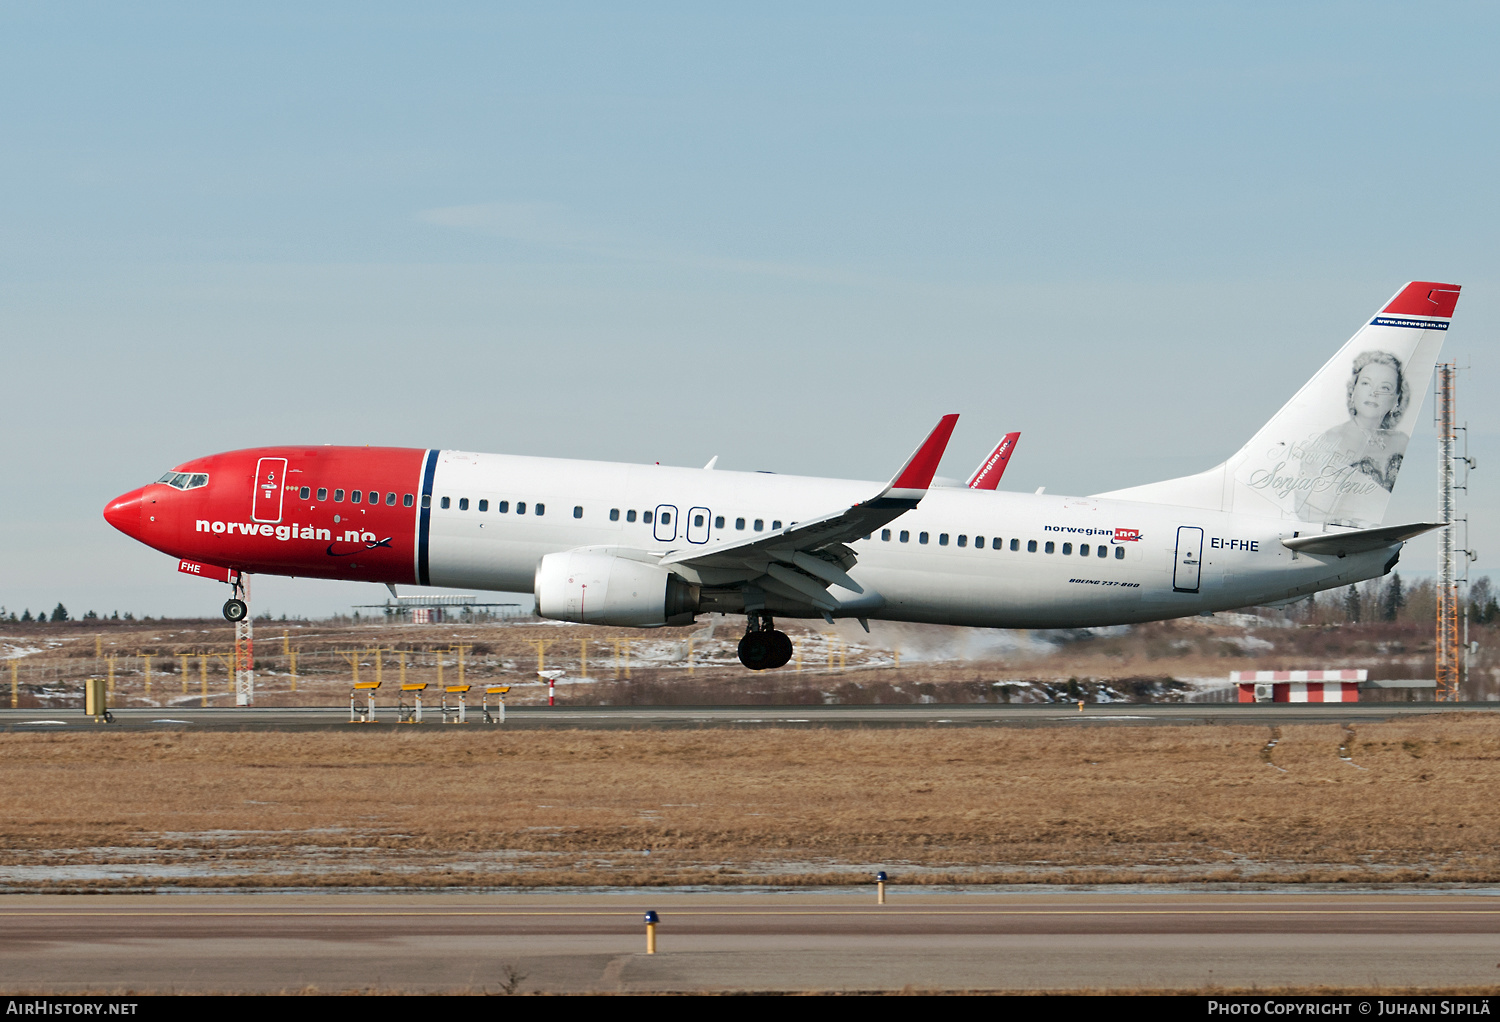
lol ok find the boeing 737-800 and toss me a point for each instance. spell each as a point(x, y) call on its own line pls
point(1297, 510)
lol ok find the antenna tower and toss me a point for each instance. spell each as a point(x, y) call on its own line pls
point(1450, 647)
point(244, 648)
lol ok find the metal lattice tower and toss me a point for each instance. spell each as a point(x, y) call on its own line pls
point(244, 650)
point(1448, 648)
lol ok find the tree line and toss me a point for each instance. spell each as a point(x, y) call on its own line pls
point(59, 614)
point(1392, 599)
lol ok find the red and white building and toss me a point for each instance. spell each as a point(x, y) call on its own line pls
point(1299, 686)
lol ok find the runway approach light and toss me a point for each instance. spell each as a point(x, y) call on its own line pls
point(651, 920)
point(880, 879)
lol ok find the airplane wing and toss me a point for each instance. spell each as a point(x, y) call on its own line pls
point(987, 475)
point(1356, 541)
point(800, 561)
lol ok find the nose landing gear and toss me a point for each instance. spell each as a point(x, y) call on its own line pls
point(764, 648)
point(235, 610)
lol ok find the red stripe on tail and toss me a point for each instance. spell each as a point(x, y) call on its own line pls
point(1424, 298)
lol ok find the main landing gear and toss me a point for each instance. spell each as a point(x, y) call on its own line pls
point(763, 647)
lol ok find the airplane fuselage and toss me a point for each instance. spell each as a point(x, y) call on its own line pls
point(485, 521)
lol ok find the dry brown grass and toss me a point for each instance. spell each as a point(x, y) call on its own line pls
point(440, 807)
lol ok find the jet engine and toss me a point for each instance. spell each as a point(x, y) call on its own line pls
point(601, 587)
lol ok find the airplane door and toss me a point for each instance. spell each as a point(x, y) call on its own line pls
point(270, 474)
point(664, 528)
point(1189, 567)
point(698, 525)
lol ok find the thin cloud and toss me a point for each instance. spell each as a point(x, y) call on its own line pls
point(550, 225)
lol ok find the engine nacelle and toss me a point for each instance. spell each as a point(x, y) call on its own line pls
point(600, 587)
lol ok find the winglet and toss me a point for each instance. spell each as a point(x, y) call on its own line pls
point(916, 475)
point(987, 475)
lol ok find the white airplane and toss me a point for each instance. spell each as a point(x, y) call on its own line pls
point(1297, 510)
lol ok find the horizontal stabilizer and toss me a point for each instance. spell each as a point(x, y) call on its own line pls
point(1357, 542)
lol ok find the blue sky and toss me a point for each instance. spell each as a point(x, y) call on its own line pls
point(787, 235)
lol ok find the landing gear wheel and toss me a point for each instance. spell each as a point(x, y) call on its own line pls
point(235, 610)
point(755, 650)
point(781, 649)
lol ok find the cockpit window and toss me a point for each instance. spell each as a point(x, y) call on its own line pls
point(185, 480)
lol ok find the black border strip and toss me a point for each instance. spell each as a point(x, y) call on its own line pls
point(424, 519)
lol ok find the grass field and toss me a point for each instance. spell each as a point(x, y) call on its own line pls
point(1394, 802)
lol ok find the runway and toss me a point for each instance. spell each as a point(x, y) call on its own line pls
point(770, 942)
point(604, 717)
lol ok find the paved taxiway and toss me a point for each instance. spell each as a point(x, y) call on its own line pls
point(603, 717)
point(752, 941)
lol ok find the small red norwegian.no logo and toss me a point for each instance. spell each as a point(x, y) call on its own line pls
point(1127, 535)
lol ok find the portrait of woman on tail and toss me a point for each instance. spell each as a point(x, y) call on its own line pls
point(1348, 471)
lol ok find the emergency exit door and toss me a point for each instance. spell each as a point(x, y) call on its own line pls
point(1188, 571)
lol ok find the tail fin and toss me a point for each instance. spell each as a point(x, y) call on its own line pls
point(987, 475)
point(1331, 455)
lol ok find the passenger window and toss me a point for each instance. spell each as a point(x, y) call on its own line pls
point(1015, 544)
point(614, 514)
point(1103, 550)
point(578, 511)
point(374, 497)
point(484, 505)
point(905, 536)
point(978, 542)
point(390, 500)
point(540, 509)
point(444, 503)
point(322, 493)
point(921, 537)
point(1067, 548)
point(305, 492)
point(697, 521)
point(719, 522)
point(1030, 546)
point(1051, 547)
point(463, 503)
point(630, 516)
point(942, 539)
point(964, 541)
point(776, 524)
point(355, 496)
point(406, 500)
point(1083, 550)
point(885, 534)
point(427, 500)
point(760, 524)
point(645, 517)
point(502, 506)
point(520, 507)
point(739, 523)
point(1119, 553)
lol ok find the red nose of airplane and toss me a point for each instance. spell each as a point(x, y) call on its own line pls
point(124, 512)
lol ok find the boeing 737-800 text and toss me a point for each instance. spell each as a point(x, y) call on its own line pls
point(1297, 510)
